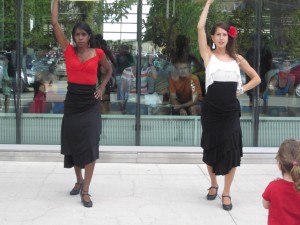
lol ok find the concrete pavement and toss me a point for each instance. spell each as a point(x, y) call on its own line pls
point(37, 193)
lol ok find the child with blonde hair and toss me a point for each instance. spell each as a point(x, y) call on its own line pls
point(282, 196)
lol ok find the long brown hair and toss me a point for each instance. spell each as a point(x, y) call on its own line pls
point(231, 46)
point(288, 157)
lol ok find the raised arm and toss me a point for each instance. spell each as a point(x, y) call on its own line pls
point(204, 49)
point(60, 36)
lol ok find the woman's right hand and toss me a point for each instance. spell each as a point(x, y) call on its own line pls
point(210, 1)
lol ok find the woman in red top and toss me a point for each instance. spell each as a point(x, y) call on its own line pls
point(81, 125)
point(282, 196)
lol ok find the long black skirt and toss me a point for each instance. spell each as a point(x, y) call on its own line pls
point(221, 132)
point(81, 126)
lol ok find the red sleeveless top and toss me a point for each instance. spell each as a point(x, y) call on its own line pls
point(82, 72)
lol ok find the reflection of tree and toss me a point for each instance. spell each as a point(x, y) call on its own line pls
point(293, 33)
point(10, 15)
point(93, 12)
point(37, 30)
point(163, 31)
point(283, 26)
point(244, 20)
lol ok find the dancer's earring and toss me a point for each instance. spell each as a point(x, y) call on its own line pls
point(213, 46)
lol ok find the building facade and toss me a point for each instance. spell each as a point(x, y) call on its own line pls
point(147, 31)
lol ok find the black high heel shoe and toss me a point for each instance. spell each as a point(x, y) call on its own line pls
point(76, 189)
point(229, 206)
point(87, 204)
point(212, 197)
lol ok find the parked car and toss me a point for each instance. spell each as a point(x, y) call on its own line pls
point(60, 68)
point(1, 76)
point(26, 81)
point(30, 77)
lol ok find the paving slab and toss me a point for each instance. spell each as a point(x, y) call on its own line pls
point(37, 193)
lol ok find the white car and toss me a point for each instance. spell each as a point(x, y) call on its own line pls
point(60, 68)
point(1, 76)
point(30, 77)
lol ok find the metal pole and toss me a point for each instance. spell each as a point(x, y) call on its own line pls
point(138, 74)
point(168, 9)
point(257, 52)
point(19, 66)
point(174, 3)
point(2, 26)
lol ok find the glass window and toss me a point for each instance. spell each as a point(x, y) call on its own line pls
point(169, 56)
point(115, 27)
point(279, 51)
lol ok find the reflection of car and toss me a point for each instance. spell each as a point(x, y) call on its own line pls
point(30, 77)
point(272, 75)
point(23, 79)
point(60, 68)
point(1, 76)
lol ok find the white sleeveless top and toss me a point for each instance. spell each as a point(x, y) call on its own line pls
point(218, 70)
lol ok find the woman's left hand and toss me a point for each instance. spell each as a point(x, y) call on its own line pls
point(98, 93)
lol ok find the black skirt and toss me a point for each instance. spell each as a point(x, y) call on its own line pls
point(81, 126)
point(221, 132)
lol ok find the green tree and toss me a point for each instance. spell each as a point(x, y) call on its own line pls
point(163, 31)
point(246, 27)
point(9, 21)
point(37, 13)
point(293, 33)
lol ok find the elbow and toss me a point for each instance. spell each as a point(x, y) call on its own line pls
point(54, 22)
point(258, 80)
point(200, 27)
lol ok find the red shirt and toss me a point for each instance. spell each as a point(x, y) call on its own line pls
point(284, 203)
point(82, 72)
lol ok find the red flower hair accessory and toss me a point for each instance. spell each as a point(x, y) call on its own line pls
point(232, 32)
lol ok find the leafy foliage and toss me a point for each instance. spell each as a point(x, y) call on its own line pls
point(293, 32)
point(246, 27)
point(163, 31)
point(38, 14)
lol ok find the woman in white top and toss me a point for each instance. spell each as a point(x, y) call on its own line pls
point(220, 114)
